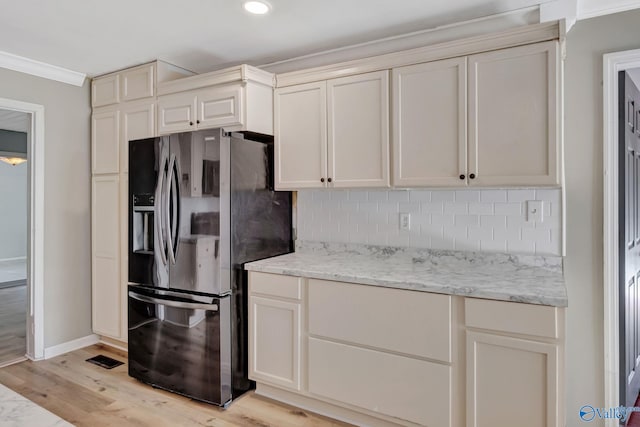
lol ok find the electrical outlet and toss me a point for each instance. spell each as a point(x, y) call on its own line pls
point(534, 211)
point(405, 221)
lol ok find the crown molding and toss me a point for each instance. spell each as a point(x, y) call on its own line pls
point(592, 9)
point(40, 69)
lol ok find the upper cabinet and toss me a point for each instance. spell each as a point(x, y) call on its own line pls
point(430, 124)
point(300, 130)
point(333, 133)
point(138, 83)
point(238, 98)
point(513, 123)
point(480, 113)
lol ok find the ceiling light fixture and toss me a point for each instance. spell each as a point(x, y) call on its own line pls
point(257, 7)
point(13, 160)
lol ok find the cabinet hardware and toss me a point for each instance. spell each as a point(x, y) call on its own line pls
point(190, 123)
point(321, 179)
point(197, 122)
point(472, 175)
point(461, 176)
point(328, 179)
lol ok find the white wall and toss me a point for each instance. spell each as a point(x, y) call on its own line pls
point(67, 241)
point(13, 211)
point(476, 220)
point(586, 43)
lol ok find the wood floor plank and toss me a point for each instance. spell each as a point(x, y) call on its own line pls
point(13, 323)
point(88, 395)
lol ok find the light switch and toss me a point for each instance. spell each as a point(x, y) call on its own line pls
point(534, 211)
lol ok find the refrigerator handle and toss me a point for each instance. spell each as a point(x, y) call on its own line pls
point(177, 206)
point(173, 213)
point(159, 223)
point(171, 303)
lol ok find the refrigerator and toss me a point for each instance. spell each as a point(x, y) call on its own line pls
point(201, 205)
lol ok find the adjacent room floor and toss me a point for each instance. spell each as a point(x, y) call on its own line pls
point(88, 395)
point(13, 311)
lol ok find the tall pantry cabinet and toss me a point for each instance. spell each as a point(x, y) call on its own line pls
point(124, 109)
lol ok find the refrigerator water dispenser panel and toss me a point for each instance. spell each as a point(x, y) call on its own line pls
point(143, 225)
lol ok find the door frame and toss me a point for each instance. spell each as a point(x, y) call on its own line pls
point(35, 229)
point(612, 63)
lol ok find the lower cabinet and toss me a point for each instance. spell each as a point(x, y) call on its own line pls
point(511, 381)
point(274, 346)
point(105, 256)
point(378, 356)
point(403, 387)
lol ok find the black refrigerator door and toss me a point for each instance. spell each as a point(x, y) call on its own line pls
point(196, 203)
point(181, 343)
point(148, 185)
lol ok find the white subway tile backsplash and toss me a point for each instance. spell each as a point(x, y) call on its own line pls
point(442, 196)
point(493, 196)
point(420, 196)
point(467, 196)
point(484, 220)
point(466, 220)
point(520, 196)
point(453, 208)
point(432, 207)
point(481, 208)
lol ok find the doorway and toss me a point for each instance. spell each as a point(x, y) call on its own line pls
point(35, 224)
point(621, 225)
point(14, 190)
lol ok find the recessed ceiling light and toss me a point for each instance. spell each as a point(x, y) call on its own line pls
point(257, 7)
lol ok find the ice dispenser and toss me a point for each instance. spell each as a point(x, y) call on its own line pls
point(143, 225)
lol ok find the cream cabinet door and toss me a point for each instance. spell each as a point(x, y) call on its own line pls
point(511, 381)
point(513, 124)
point(105, 91)
point(105, 130)
point(218, 107)
point(105, 240)
point(429, 124)
point(138, 83)
point(137, 121)
point(274, 342)
point(358, 130)
point(124, 255)
point(300, 128)
point(177, 112)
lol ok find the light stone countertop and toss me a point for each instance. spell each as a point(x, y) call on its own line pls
point(18, 411)
point(533, 279)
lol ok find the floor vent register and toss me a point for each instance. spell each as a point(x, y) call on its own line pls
point(104, 361)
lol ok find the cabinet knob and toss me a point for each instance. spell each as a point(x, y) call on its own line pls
point(328, 179)
point(190, 123)
point(321, 179)
point(461, 176)
point(197, 122)
point(472, 175)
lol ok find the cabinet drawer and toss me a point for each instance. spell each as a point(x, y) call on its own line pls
point(276, 285)
point(410, 389)
point(519, 318)
point(414, 323)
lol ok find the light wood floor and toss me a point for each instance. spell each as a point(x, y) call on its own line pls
point(87, 395)
point(13, 323)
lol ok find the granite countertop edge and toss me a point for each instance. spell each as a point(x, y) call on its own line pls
point(532, 284)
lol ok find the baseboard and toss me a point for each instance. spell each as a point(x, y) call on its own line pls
point(117, 344)
point(68, 346)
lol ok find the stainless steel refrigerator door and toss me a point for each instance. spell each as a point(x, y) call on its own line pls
point(181, 343)
point(197, 204)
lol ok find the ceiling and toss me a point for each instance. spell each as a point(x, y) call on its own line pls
point(96, 37)
point(14, 120)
